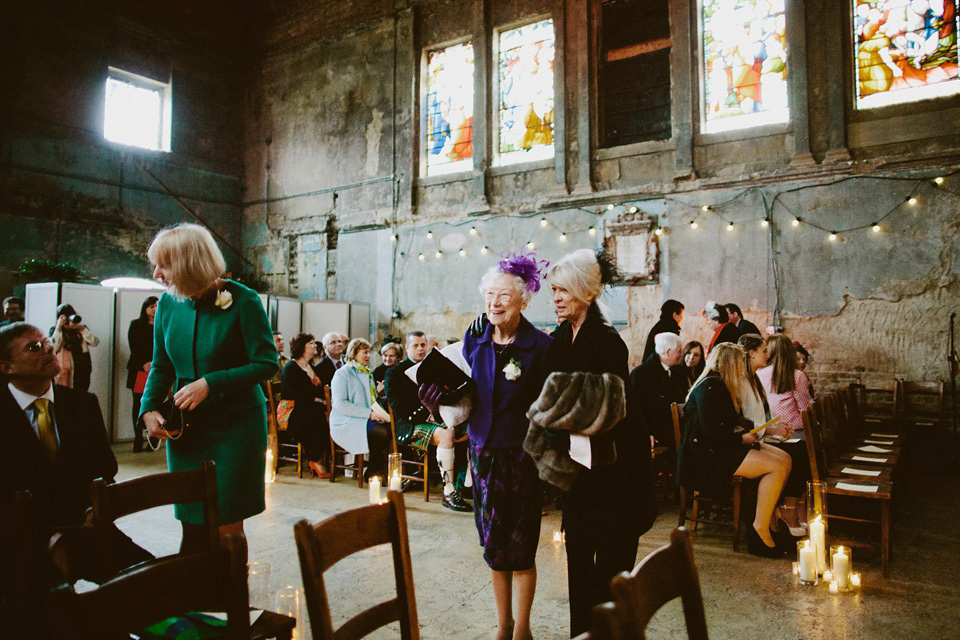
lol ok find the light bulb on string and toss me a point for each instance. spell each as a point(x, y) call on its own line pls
point(938, 180)
point(463, 253)
point(473, 231)
point(394, 237)
point(429, 235)
point(421, 258)
point(705, 208)
point(796, 222)
point(610, 207)
point(439, 253)
point(764, 223)
point(833, 236)
point(875, 228)
point(632, 210)
point(543, 222)
point(658, 232)
point(693, 224)
point(530, 245)
point(592, 231)
point(485, 249)
point(730, 226)
point(563, 237)
point(912, 201)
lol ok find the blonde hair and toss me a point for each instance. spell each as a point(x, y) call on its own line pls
point(392, 346)
point(728, 360)
point(191, 255)
point(578, 273)
point(356, 345)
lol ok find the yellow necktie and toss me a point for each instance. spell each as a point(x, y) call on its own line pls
point(45, 429)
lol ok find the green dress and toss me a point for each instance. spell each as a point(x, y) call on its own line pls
point(231, 346)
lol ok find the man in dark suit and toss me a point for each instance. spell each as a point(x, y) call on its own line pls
point(54, 445)
point(334, 344)
point(743, 325)
point(654, 389)
point(671, 315)
point(416, 426)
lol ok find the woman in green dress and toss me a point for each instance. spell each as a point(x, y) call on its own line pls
point(213, 347)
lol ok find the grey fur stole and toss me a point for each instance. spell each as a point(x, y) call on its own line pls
point(580, 403)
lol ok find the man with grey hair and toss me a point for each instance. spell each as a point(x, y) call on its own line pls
point(334, 344)
point(654, 388)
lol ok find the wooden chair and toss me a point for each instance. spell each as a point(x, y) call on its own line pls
point(923, 403)
point(114, 501)
point(880, 403)
point(726, 511)
point(286, 451)
point(422, 462)
point(211, 581)
point(668, 573)
point(335, 450)
point(322, 545)
point(841, 445)
point(880, 493)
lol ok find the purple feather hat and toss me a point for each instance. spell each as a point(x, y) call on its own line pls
point(525, 266)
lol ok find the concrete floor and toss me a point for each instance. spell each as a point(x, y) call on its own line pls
point(745, 597)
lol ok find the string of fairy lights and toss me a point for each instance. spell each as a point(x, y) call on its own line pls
point(701, 213)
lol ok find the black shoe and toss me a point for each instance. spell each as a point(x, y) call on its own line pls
point(466, 493)
point(757, 547)
point(455, 503)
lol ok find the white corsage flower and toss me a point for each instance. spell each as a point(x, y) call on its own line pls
point(224, 299)
point(512, 371)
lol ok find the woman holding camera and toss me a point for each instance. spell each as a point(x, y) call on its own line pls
point(71, 342)
point(213, 345)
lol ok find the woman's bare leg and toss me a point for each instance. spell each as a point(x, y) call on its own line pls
point(503, 594)
point(773, 471)
point(526, 582)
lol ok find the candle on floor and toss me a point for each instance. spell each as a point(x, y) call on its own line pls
point(841, 566)
point(375, 490)
point(855, 580)
point(806, 562)
point(556, 536)
point(819, 541)
point(828, 576)
point(796, 568)
point(395, 483)
point(834, 588)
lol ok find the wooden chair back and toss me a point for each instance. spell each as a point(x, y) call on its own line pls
point(668, 573)
point(287, 451)
point(815, 452)
point(881, 401)
point(923, 402)
point(320, 546)
point(114, 501)
point(210, 581)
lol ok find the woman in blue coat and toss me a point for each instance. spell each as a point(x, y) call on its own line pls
point(510, 361)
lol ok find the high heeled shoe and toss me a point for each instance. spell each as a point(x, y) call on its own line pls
point(315, 470)
point(757, 547)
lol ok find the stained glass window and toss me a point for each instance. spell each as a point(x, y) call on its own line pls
point(905, 50)
point(745, 64)
point(525, 103)
point(449, 143)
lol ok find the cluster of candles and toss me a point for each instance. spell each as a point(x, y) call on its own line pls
point(812, 561)
point(395, 485)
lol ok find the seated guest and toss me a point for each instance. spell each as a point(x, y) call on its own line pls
point(282, 360)
point(417, 426)
point(12, 310)
point(390, 354)
point(719, 321)
point(717, 444)
point(743, 325)
point(803, 358)
point(788, 388)
point(71, 342)
point(754, 406)
point(671, 315)
point(333, 346)
point(308, 420)
point(55, 444)
point(357, 422)
point(691, 365)
point(655, 385)
point(432, 343)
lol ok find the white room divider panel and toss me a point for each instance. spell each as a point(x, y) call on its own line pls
point(127, 304)
point(324, 316)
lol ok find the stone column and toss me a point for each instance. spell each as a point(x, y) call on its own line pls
point(684, 71)
point(797, 82)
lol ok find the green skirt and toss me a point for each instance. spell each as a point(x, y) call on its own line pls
point(238, 448)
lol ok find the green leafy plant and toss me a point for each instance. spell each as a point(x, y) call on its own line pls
point(42, 270)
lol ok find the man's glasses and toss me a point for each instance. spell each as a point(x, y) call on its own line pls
point(39, 345)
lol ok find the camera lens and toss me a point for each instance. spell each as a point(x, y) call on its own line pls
point(75, 319)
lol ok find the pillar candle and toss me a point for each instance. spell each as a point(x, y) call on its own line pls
point(834, 588)
point(808, 563)
point(819, 541)
point(395, 482)
point(841, 569)
point(375, 490)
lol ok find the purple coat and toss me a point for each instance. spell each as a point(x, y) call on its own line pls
point(499, 417)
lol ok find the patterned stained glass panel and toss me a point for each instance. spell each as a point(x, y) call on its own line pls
point(525, 103)
point(745, 64)
point(449, 104)
point(905, 50)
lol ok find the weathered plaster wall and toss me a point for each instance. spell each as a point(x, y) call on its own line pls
point(66, 193)
point(328, 106)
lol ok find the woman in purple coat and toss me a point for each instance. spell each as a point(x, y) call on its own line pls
point(510, 361)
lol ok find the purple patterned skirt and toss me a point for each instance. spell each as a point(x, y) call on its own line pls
point(507, 501)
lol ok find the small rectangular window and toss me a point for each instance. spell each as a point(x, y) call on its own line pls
point(449, 105)
point(525, 88)
point(744, 64)
point(905, 50)
point(137, 111)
